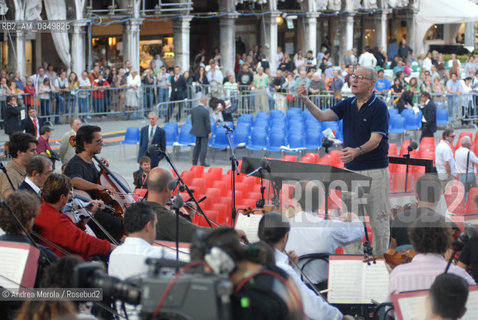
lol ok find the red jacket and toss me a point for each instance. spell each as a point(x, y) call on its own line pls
point(59, 229)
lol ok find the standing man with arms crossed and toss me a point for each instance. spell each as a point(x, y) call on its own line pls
point(366, 145)
point(201, 129)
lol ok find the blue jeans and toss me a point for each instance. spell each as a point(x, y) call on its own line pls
point(452, 106)
point(45, 107)
point(83, 106)
point(60, 104)
point(148, 99)
point(272, 102)
point(99, 106)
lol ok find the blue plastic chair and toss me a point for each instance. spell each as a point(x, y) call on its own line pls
point(292, 111)
point(241, 137)
point(261, 116)
point(172, 130)
point(220, 139)
point(442, 116)
point(258, 141)
point(213, 126)
point(248, 118)
point(185, 138)
point(131, 137)
point(397, 125)
point(313, 140)
point(276, 141)
point(277, 114)
point(411, 122)
point(296, 143)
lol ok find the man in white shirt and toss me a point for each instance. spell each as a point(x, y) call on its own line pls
point(67, 151)
point(465, 161)
point(311, 234)
point(444, 160)
point(274, 229)
point(83, 94)
point(128, 260)
point(367, 59)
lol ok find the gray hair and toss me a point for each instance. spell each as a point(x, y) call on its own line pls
point(37, 163)
point(153, 113)
point(372, 73)
point(466, 141)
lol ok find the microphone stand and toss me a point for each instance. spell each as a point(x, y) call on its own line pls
point(178, 204)
point(234, 172)
point(367, 246)
point(184, 186)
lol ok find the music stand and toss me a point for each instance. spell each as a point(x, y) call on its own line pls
point(297, 171)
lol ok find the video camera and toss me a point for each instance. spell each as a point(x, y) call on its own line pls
point(196, 295)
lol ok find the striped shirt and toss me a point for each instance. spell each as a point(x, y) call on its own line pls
point(421, 273)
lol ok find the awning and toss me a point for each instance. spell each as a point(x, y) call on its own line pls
point(442, 12)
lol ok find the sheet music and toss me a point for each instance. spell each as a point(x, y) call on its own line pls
point(471, 306)
point(183, 253)
point(250, 225)
point(13, 265)
point(413, 308)
point(22, 114)
point(352, 281)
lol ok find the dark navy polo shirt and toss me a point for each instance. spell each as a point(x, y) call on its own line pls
point(358, 125)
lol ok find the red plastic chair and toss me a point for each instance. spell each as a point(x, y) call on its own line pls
point(289, 158)
point(392, 149)
point(427, 141)
point(454, 197)
point(213, 196)
point(215, 173)
point(198, 171)
point(471, 207)
point(199, 186)
point(462, 134)
point(140, 192)
point(187, 177)
point(403, 149)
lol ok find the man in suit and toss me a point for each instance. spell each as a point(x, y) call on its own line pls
point(201, 129)
point(152, 134)
point(178, 92)
point(39, 168)
point(32, 123)
point(12, 121)
point(429, 115)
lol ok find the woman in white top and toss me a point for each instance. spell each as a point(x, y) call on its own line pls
point(133, 83)
point(299, 61)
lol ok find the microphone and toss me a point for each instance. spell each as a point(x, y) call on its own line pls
point(154, 149)
point(225, 126)
point(412, 146)
point(173, 184)
point(178, 202)
point(263, 165)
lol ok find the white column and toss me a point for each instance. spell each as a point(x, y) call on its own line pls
point(181, 27)
point(346, 35)
point(412, 40)
point(381, 29)
point(227, 34)
point(20, 51)
point(470, 34)
point(310, 32)
point(270, 40)
point(131, 33)
point(78, 56)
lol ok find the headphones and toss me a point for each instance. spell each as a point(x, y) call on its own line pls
point(217, 259)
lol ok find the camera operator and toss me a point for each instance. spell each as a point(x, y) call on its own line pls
point(128, 260)
point(261, 291)
point(274, 230)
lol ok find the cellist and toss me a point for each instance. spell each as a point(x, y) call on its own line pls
point(84, 176)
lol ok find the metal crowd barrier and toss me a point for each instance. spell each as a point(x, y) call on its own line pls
point(113, 102)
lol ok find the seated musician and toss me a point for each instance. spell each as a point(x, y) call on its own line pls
point(25, 206)
point(158, 196)
point(59, 229)
point(39, 168)
point(447, 298)
point(430, 237)
point(274, 229)
point(269, 294)
point(428, 192)
point(311, 234)
point(21, 147)
point(140, 177)
point(128, 259)
point(84, 176)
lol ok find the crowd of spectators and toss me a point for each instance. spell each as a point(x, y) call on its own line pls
point(121, 90)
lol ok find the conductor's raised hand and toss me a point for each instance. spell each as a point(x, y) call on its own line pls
point(302, 92)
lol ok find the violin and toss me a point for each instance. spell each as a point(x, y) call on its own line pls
point(249, 210)
point(395, 258)
point(122, 196)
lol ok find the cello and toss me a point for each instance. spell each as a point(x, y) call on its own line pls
point(121, 197)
